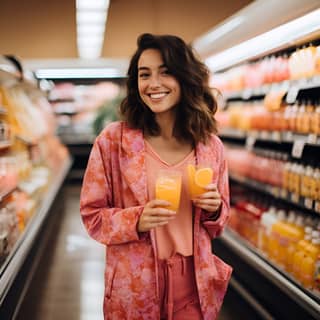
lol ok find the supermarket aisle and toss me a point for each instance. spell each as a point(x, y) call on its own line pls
point(69, 281)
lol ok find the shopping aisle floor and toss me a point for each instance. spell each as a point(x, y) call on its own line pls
point(68, 284)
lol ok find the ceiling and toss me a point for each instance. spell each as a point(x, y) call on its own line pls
point(44, 31)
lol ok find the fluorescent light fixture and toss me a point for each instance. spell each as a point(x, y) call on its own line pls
point(90, 29)
point(89, 51)
point(89, 41)
point(91, 21)
point(218, 32)
point(91, 17)
point(266, 42)
point(78, 73)
point(92, 4)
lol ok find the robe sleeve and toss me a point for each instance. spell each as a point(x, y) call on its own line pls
point(216, 225)
point(104, 223)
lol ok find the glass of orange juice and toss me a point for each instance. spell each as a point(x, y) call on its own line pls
point(198, 178)
point(168, 187)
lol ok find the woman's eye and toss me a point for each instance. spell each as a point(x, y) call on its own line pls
point(143, 75)
point(166, 71)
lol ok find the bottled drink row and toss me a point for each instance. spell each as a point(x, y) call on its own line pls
point(273, 168)
point(302, 63)
point(302, 117)
point(290, 239)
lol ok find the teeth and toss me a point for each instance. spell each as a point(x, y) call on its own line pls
point(157, 95)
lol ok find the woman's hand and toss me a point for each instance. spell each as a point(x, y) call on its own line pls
point(210, 200)
point(154, 215)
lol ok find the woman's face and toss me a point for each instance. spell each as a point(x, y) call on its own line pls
point(158, 89)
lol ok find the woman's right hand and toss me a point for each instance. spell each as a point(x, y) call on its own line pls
point(155, 215)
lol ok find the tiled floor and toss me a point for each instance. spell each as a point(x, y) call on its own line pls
point(68, 284)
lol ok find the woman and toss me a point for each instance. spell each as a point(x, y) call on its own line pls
point(159, 262)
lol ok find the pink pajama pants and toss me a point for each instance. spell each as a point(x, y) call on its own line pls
point(178, 290)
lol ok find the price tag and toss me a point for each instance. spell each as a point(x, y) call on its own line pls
point(294, 197)
point(247, 93)
point(288, 136)
point(292, 94)
point(308, 203)
point(284, 194)
point(250, 141)
point(312, 138)
point(297, 148)
point(276, 136)
point(275, 191)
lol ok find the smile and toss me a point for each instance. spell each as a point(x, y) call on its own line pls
point(157, 95)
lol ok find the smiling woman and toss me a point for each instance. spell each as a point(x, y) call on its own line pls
point(159, 262)
point(158, 88)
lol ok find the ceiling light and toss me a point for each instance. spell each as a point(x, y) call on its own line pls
point(91, 21)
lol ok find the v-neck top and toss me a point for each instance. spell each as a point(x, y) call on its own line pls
point(177, 235)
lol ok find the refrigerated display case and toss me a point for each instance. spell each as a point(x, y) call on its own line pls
point(265, 61)
point(33, 166)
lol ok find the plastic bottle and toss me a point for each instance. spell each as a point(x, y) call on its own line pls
point(298, 255)
point(268, 218)
point(296, 234)
point(307, 268)
point(276, 235)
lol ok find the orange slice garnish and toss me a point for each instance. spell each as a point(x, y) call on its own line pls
point(203, 177)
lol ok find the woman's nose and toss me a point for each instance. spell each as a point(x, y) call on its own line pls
point(154, 81)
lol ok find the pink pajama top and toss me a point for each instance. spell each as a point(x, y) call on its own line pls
point(176, 236)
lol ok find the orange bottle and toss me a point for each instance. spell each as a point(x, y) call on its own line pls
point(308, 262)
point(296, 233)
point(299, 253)
point(277, 231)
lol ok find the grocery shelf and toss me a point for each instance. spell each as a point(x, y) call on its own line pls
point(305, 298)
point(293, 88)
point(14, 261)
point(279, 193)
point(271, 136)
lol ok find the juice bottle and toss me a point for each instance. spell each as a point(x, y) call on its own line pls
point(275, 236)
point(298, 255)
point(308, 262)
point(296, 233)
point(268, 218)
point(168, 187)
point(315, 121)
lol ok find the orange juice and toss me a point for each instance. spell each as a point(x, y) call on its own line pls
point(308, 263)
point(299, 254)
point(168, 187)
point(198, 179)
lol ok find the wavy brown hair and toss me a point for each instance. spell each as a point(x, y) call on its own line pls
point(195, 111)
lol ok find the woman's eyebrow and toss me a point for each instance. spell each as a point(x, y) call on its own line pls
point(143, 68)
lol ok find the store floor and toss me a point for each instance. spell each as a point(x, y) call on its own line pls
point(68, 283)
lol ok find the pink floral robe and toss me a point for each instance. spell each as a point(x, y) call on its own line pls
point(113, 196)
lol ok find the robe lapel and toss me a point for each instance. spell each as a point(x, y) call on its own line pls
point(206, 154)
point(132, 162)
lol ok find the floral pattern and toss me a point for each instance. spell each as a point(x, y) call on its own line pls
point(113, 195)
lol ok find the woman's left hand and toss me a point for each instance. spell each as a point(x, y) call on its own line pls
point(210, 200)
